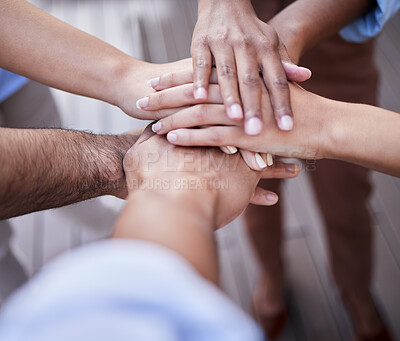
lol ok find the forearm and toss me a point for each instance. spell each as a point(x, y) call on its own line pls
point(306, 22)
point(182, 222)
point(48, 168)
point(45, 49)
point(363, 134)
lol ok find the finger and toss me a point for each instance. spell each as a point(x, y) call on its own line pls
point(254, 160)
point(263, 197)
point(147, 133)
point(194, 116)
point(250, 90)
point(227, 80)
point(173, 79)
point(230, 150)
point(293, 72)
point(213, 136)
point(201, 69)
point(276, 82)
point(281, 170)
point(176, 97)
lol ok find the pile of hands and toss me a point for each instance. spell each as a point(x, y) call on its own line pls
point(238, 92)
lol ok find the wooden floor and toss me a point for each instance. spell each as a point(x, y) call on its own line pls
point(160, 31)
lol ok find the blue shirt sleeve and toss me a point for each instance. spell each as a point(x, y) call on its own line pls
point(124, 291)
point(10, 83)
point(370, 24)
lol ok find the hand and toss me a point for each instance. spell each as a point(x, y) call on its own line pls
point(306, 140)
point(156, 165)
point(242, 47)
point(132, 90)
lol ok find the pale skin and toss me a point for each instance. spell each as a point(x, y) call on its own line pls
point(189, 216)
point(361, 134)
point(242, 46)
point(36, 45)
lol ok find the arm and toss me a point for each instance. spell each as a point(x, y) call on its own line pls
point(179, 196)
point(43, 48)
point(48, 168)
point(356, 133)
point(306, 22)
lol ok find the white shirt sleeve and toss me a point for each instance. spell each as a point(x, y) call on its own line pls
point(123, 290)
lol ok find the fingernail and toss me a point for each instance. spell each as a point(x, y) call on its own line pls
point(142, 103)
point(172, 137)
point(260, 161)
point(153, 82)
point(272, 197)
point(270, 160)
point(286, 123)
point(200, 93)
point(292, 169)
point(295, 67)
point(235, 111)
point(232, 149)
point(156, 127)
point(253, 126)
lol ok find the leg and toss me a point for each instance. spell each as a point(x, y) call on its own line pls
point(32, 106)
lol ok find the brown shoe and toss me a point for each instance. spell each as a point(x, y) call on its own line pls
point(381, 333)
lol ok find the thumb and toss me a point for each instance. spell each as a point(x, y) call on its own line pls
point(294, 72)
point(263, 197)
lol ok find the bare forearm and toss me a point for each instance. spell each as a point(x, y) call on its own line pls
point(180, 222)
point(48, 168)
point(45, 49)
point(365, 135)
point(307, 22)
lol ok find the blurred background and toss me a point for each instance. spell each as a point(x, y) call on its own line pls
point(159, 31)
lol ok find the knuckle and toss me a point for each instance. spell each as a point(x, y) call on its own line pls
point(280, 83)
point(158, 99)
point(251, 79)
point(215, 137)
point(254, 112)
point(242, 41)
point(227, 71)
point(200, 113)
point(188, 92)
point(201, 63)
point(200, 41)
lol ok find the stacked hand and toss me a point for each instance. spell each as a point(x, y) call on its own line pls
point(153, 164)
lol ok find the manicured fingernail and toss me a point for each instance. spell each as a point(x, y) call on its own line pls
point(260, 161)
point(270, 160)
point(156, 127)
point(235, 112)
point(200, 93)
point(142, 103)
point(232, 149)
point(253, 126)
point(172, 137)
point(153, 82)
point(292, 169)
point(286, 123)
point(272, 197)
point(294, 67)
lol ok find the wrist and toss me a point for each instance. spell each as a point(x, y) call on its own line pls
point(123, 74)
point(111, 173)
point(194, 206)
point(209, 6)
point(291, 34)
